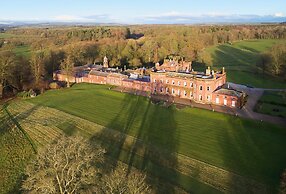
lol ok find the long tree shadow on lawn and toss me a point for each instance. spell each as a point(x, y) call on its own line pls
point(153, 131)
point(16, 151)
point(254, 151)
point(228, 54)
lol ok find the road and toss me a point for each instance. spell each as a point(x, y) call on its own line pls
point(254, 95)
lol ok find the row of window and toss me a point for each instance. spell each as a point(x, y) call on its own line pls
point(178, 92)
point(233, 102)
point(185, 84)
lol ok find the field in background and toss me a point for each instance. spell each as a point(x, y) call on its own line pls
point(23, 50)
point(272, 103)
point(240, 59)
point(245, 147)
point(6, 35)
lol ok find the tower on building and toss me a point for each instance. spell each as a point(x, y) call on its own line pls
point(105, 62)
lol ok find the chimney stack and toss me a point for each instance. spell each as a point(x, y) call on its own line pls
point(208, 71)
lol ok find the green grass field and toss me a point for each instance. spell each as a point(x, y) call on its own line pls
point(252, 149)
point(44, 124)
point(23, 51)
point(7, 35)
point(15, 152)
point(240, 60)
point(19, 50)
point(272, 103)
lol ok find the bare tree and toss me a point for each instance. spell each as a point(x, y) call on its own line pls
point(67, 166)
point(7, 61)
point(205, 58)
point(72, 165)
point(67, 66)
point(37, 65)
point(264, 61)
point(73, 57)
point(123, 181)
point(283, 183)
point(278, 58)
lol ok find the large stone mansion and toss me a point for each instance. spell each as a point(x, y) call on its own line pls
point(172, 78)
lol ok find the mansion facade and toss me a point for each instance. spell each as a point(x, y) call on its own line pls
point(207, 87)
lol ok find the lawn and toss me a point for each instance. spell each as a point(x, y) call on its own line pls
point(44, 124)
point(7, 35)
point(18, 50)
point(240, 59)
point(15, 152)
point(23, 51)
point(252, 149)
point(272, 103)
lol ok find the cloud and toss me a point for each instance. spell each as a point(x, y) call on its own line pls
point(187, 18)
point(66, 18)
point(99, 18)
point(172, 17)
point(279, 15)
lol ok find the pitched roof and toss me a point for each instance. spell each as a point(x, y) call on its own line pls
point(98, 73)
point(225, 90)
point(117, 75)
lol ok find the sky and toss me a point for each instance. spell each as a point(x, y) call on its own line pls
point(144, 11)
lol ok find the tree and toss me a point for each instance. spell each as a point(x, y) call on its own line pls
point(275, 60)
point(91, 53)
point(122, 181)
point(206, 58)
point(135, 62)
point(37, 65)
point(53, 61)
point(21, 73)
point(66, 166)
point(264, 61)
point(67, 67)
point(73, 56)
point(282, 189)
point(277, 53)
point(73, 165)
point(7, 62)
